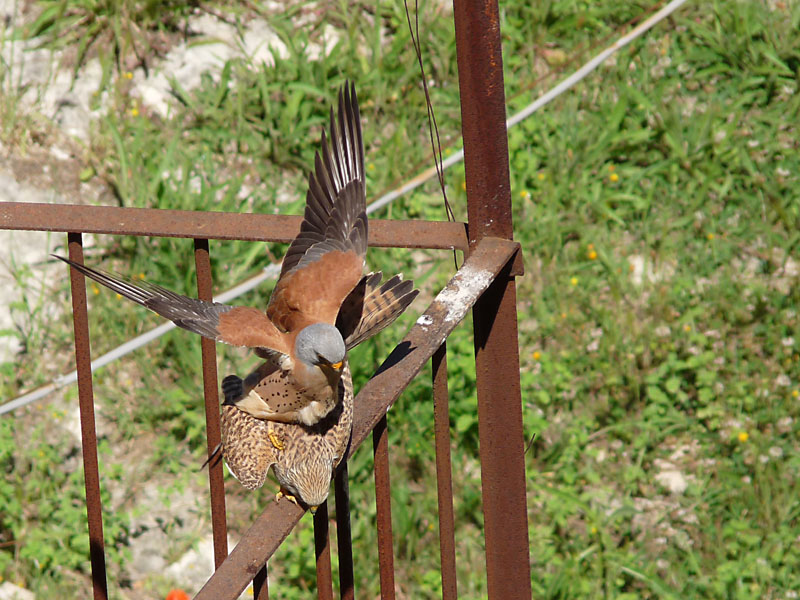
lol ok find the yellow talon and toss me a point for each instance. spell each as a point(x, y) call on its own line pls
point(276, 441)
point(283, 494)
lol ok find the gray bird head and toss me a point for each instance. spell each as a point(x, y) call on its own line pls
point(308, 480)
point(320, 344)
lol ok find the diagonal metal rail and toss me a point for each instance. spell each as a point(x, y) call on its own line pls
point(489, 258)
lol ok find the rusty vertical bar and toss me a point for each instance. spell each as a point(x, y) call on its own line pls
point(261, 585)
point(322, 550)
point(383, 504)
point(218, 519)
point(444, 474)
point(91, 471)
point(483, 115)
point(344, 542)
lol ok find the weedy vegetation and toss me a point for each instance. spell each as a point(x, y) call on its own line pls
point(658, 211)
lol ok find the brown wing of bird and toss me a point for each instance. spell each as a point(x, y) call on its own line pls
point(326, 259)
point(321, 267)
point(235, 325)
point(372, 306)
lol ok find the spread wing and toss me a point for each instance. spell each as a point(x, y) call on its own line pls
point(325, 261)
point(370, 307)
point(235, 325)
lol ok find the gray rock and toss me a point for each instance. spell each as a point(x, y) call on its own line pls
point(9, 591)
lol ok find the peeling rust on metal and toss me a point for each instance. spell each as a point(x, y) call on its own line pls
point(444, 474)
point(211, 396)
point(91, 471)
point(373, 401)
point(31, 216)
point(483, 118)
point(383, 508)
point(250, 554)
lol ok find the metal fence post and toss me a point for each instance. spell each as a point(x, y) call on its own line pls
point(483, 115)
point(83, 359)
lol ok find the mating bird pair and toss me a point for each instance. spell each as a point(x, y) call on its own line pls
point(294, 412)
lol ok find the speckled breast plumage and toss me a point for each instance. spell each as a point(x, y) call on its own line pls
point(249, 448)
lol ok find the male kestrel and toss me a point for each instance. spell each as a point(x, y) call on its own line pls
point(302, 335)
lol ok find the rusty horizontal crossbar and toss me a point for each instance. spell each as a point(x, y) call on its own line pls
point(374, 400)
point(156, 222)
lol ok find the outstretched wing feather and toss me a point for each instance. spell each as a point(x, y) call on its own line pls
point(235, 325)
point(371, 307)
point(338, 165)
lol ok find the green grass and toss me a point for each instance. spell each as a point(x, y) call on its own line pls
point(679, 161)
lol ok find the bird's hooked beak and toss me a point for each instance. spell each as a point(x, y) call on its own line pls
point(335, 367)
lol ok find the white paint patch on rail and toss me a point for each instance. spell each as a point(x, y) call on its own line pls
point(460, 293)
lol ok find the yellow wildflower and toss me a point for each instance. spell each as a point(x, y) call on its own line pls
point(743, 436)
point(592, 254)
point(614, 178)
point(709, 236)
point(574, 281)
point(537, 355)
point(540, 176)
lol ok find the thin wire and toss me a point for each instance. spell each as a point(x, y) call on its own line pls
point(577, 52)
point(543, 100)
point(432, 126)
point(272, 270)
point(436, 146)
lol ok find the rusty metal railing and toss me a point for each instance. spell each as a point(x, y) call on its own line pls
point(484, 283)
point(491, 260)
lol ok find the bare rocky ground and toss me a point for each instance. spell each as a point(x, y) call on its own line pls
point(48, 171)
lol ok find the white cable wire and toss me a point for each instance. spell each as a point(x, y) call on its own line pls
point(272, 270)
point(543, 100)
point(133, 344)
